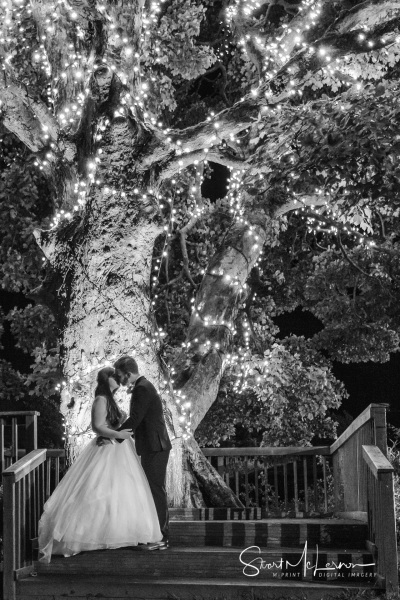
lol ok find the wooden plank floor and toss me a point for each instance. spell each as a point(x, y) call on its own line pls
point(214, 562)
point(82, 588)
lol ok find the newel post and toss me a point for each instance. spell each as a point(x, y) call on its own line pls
point(31, 432)
point(378, 416)
point(388, 554)
point(2, 457)
point(9, 541)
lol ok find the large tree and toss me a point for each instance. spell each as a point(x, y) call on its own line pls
point(123, 107)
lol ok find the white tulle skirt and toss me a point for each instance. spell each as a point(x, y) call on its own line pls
point(103, 501)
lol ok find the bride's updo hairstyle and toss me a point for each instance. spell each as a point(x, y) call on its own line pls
point(103, 389)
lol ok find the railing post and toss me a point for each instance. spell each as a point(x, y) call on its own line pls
point(14, 439)
point(388, 532)
point(9, 584)
point(381, 515)
point(2, 463)
point(378, 415)
point(31, 432)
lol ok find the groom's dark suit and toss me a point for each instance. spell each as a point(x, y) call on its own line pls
point(146, 420)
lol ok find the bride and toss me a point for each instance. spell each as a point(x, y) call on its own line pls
point(104, 500)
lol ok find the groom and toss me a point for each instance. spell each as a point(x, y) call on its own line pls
point(146, 420)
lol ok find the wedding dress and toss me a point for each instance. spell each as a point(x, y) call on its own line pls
point(103, 501)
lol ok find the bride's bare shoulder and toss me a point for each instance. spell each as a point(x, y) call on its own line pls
point(99, 402)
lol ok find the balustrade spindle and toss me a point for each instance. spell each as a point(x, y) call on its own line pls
point(236, 478)
point(14, 447)
point(256, 479)
point(285, 486)
point(246, 481)
point(42, 486)
point(226, 470)
point(325, 484)
point(296, 487)
point(276, 496)
point(305, 484)
point(316, 502)
point(266, 484)
point(48, 476)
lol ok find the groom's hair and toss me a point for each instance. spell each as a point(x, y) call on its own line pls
point(127, 364)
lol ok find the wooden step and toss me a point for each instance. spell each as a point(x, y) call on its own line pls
point(306, 564)
point(271, 533)
point(53, 587)
point(239, 514)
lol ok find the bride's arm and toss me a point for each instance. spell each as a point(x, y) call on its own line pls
point(99, 421)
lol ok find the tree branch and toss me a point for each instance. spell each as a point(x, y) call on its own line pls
point(302, 201)
point(349, 260)
point(30, 120)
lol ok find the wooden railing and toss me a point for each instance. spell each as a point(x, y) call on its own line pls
point(27, 485)
point(351, 478)
point(291, 480)
point(10, 436)
point(381, 516)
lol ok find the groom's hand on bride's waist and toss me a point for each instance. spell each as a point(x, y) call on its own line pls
point(123, 427)
point(103, 441)
point(124, 437)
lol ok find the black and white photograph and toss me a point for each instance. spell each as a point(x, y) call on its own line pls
point(199, 299)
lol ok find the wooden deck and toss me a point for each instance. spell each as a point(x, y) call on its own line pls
point(259, 551)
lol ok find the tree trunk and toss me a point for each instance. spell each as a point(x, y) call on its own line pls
point(105, 258)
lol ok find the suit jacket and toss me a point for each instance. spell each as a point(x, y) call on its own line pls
point(146, 419)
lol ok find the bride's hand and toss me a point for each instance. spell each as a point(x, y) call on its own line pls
point(124, 434)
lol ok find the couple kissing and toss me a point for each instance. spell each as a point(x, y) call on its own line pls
point(114, 494)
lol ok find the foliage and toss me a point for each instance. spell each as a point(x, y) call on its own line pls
point(289, 394)
point(25, 204)
point(171, 56)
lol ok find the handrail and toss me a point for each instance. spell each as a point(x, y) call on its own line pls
point(268, 451)
point(24, 465)
point(377, 461)
point(371, 412)
point(27, 485)
point(19, 413)
point(381, 516)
